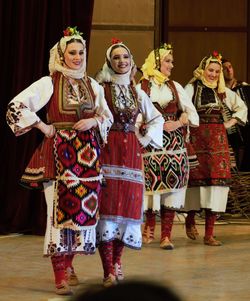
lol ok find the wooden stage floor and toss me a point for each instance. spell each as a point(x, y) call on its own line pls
point(195, 271)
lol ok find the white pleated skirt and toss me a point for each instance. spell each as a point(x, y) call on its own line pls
point(171, 200)
point(206, 197)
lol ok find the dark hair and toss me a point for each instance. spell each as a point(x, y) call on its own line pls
point(113, 48)
point(129, 290)
point(225, 61)
point(73, 40)
point(118, 46)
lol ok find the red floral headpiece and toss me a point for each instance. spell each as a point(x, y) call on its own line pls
point(71, 31)
point(217, 55)
point(115, 41)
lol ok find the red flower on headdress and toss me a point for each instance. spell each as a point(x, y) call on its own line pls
point(70, 31)
point(115, 41)
point(67, 32)
point(217, 55)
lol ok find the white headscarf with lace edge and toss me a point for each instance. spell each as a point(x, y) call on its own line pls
point(107, 74)
point(56, 61)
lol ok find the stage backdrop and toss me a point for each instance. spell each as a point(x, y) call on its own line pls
point(28, 30)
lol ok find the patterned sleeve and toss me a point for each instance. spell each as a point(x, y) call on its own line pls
point(152, 119)
point(237, 106)
point(103, 115)
point(187, 105)
point(21, 111)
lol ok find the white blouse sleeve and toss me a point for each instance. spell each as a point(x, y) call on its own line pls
point(152, 119)
point(237, 106)
point(103, 115)
point(21, 111)
point(187, 105)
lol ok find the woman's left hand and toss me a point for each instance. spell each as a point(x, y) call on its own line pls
point(184, 118)
point(85, 124)
point(230, 123)
point(171, 126)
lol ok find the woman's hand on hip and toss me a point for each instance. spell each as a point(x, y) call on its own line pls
point(85, 124)
point(230, 123)
point(48, 129)
point(171, 126)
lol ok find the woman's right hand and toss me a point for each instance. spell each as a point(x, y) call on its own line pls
point(170, 126)
point(85, 124)
point(48, 129)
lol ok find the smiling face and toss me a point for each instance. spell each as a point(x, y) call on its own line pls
point(167, 65)
point(212, 72)
point(74, 55)
point(120, 60)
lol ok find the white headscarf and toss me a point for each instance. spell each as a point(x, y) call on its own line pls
point(107, 74)
point(56, 60)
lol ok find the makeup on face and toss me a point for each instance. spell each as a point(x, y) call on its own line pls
point(74, 55)
point(120, 60)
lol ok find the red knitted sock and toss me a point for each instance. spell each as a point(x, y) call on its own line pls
point(118, 247)
point(210, 220)
point(106, 253)
point(190, 218)
point(167, 219)
point(58, 263)
point(69, 260)
point(150, 221)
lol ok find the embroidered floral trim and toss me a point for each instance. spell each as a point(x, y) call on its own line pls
point(126, 174)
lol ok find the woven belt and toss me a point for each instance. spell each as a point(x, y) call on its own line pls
point(124, 127)
point(211, 118)
point(63, 125)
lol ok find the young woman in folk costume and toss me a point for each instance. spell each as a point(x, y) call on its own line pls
point(66, 164)
point(166, 170)
point(209, 182)
point(121, 199)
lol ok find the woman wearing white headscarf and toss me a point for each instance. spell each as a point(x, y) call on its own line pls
point(209, 182)
point(121, 201)
point(166, 170)
point(66, 164)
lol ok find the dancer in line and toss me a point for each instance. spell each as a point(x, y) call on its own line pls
point(209, 182)
point(66, 164)
point(121, 201)
point(166, 170)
